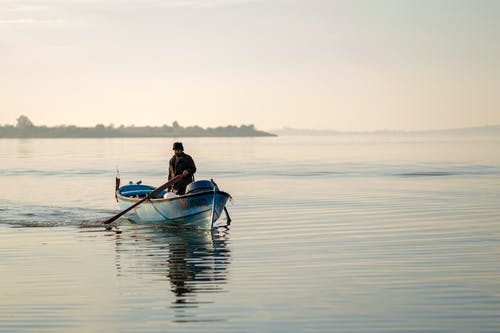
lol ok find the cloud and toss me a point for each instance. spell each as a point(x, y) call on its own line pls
point(204, 3)
point(32, 21)
point(26, 8)
point(24, 14)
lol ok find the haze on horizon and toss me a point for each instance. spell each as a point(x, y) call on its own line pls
point(330, 65)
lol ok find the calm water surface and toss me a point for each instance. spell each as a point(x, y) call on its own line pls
point(329, 234)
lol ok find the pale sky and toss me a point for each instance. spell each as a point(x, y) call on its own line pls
point(339, 65)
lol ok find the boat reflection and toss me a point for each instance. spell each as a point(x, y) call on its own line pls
point(194, 262)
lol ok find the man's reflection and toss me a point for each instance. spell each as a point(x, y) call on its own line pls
point(193, 261)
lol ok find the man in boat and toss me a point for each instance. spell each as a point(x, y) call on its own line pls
point(181, 163)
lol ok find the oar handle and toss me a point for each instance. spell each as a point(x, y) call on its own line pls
point(151, 194)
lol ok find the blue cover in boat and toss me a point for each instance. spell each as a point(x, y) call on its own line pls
point(199, 186)
point(131, 190)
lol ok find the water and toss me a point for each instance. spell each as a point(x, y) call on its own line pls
point(329, 234)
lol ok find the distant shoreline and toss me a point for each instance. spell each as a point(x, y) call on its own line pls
point(493, 130)
point(26, 129)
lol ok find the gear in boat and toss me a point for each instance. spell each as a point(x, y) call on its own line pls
point(137, 190)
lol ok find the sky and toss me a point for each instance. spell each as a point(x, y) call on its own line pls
point(329, 65)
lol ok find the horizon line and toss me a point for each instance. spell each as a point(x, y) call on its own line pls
point(288, 128)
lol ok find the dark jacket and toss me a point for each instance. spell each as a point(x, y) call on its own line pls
point(176, 166)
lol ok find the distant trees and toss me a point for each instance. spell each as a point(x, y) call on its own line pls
point(24, 122)
point(26, 129)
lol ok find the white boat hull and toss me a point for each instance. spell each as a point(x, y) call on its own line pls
point(199, 210)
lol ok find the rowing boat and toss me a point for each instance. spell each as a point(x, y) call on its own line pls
point(200, 207)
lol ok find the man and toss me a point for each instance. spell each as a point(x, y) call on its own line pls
point(181, 163)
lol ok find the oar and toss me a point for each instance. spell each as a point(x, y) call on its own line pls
point(227, 216)
point(151, 194)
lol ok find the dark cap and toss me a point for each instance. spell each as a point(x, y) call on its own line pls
point(178, 145)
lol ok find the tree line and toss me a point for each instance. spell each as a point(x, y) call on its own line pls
point(25, 128)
